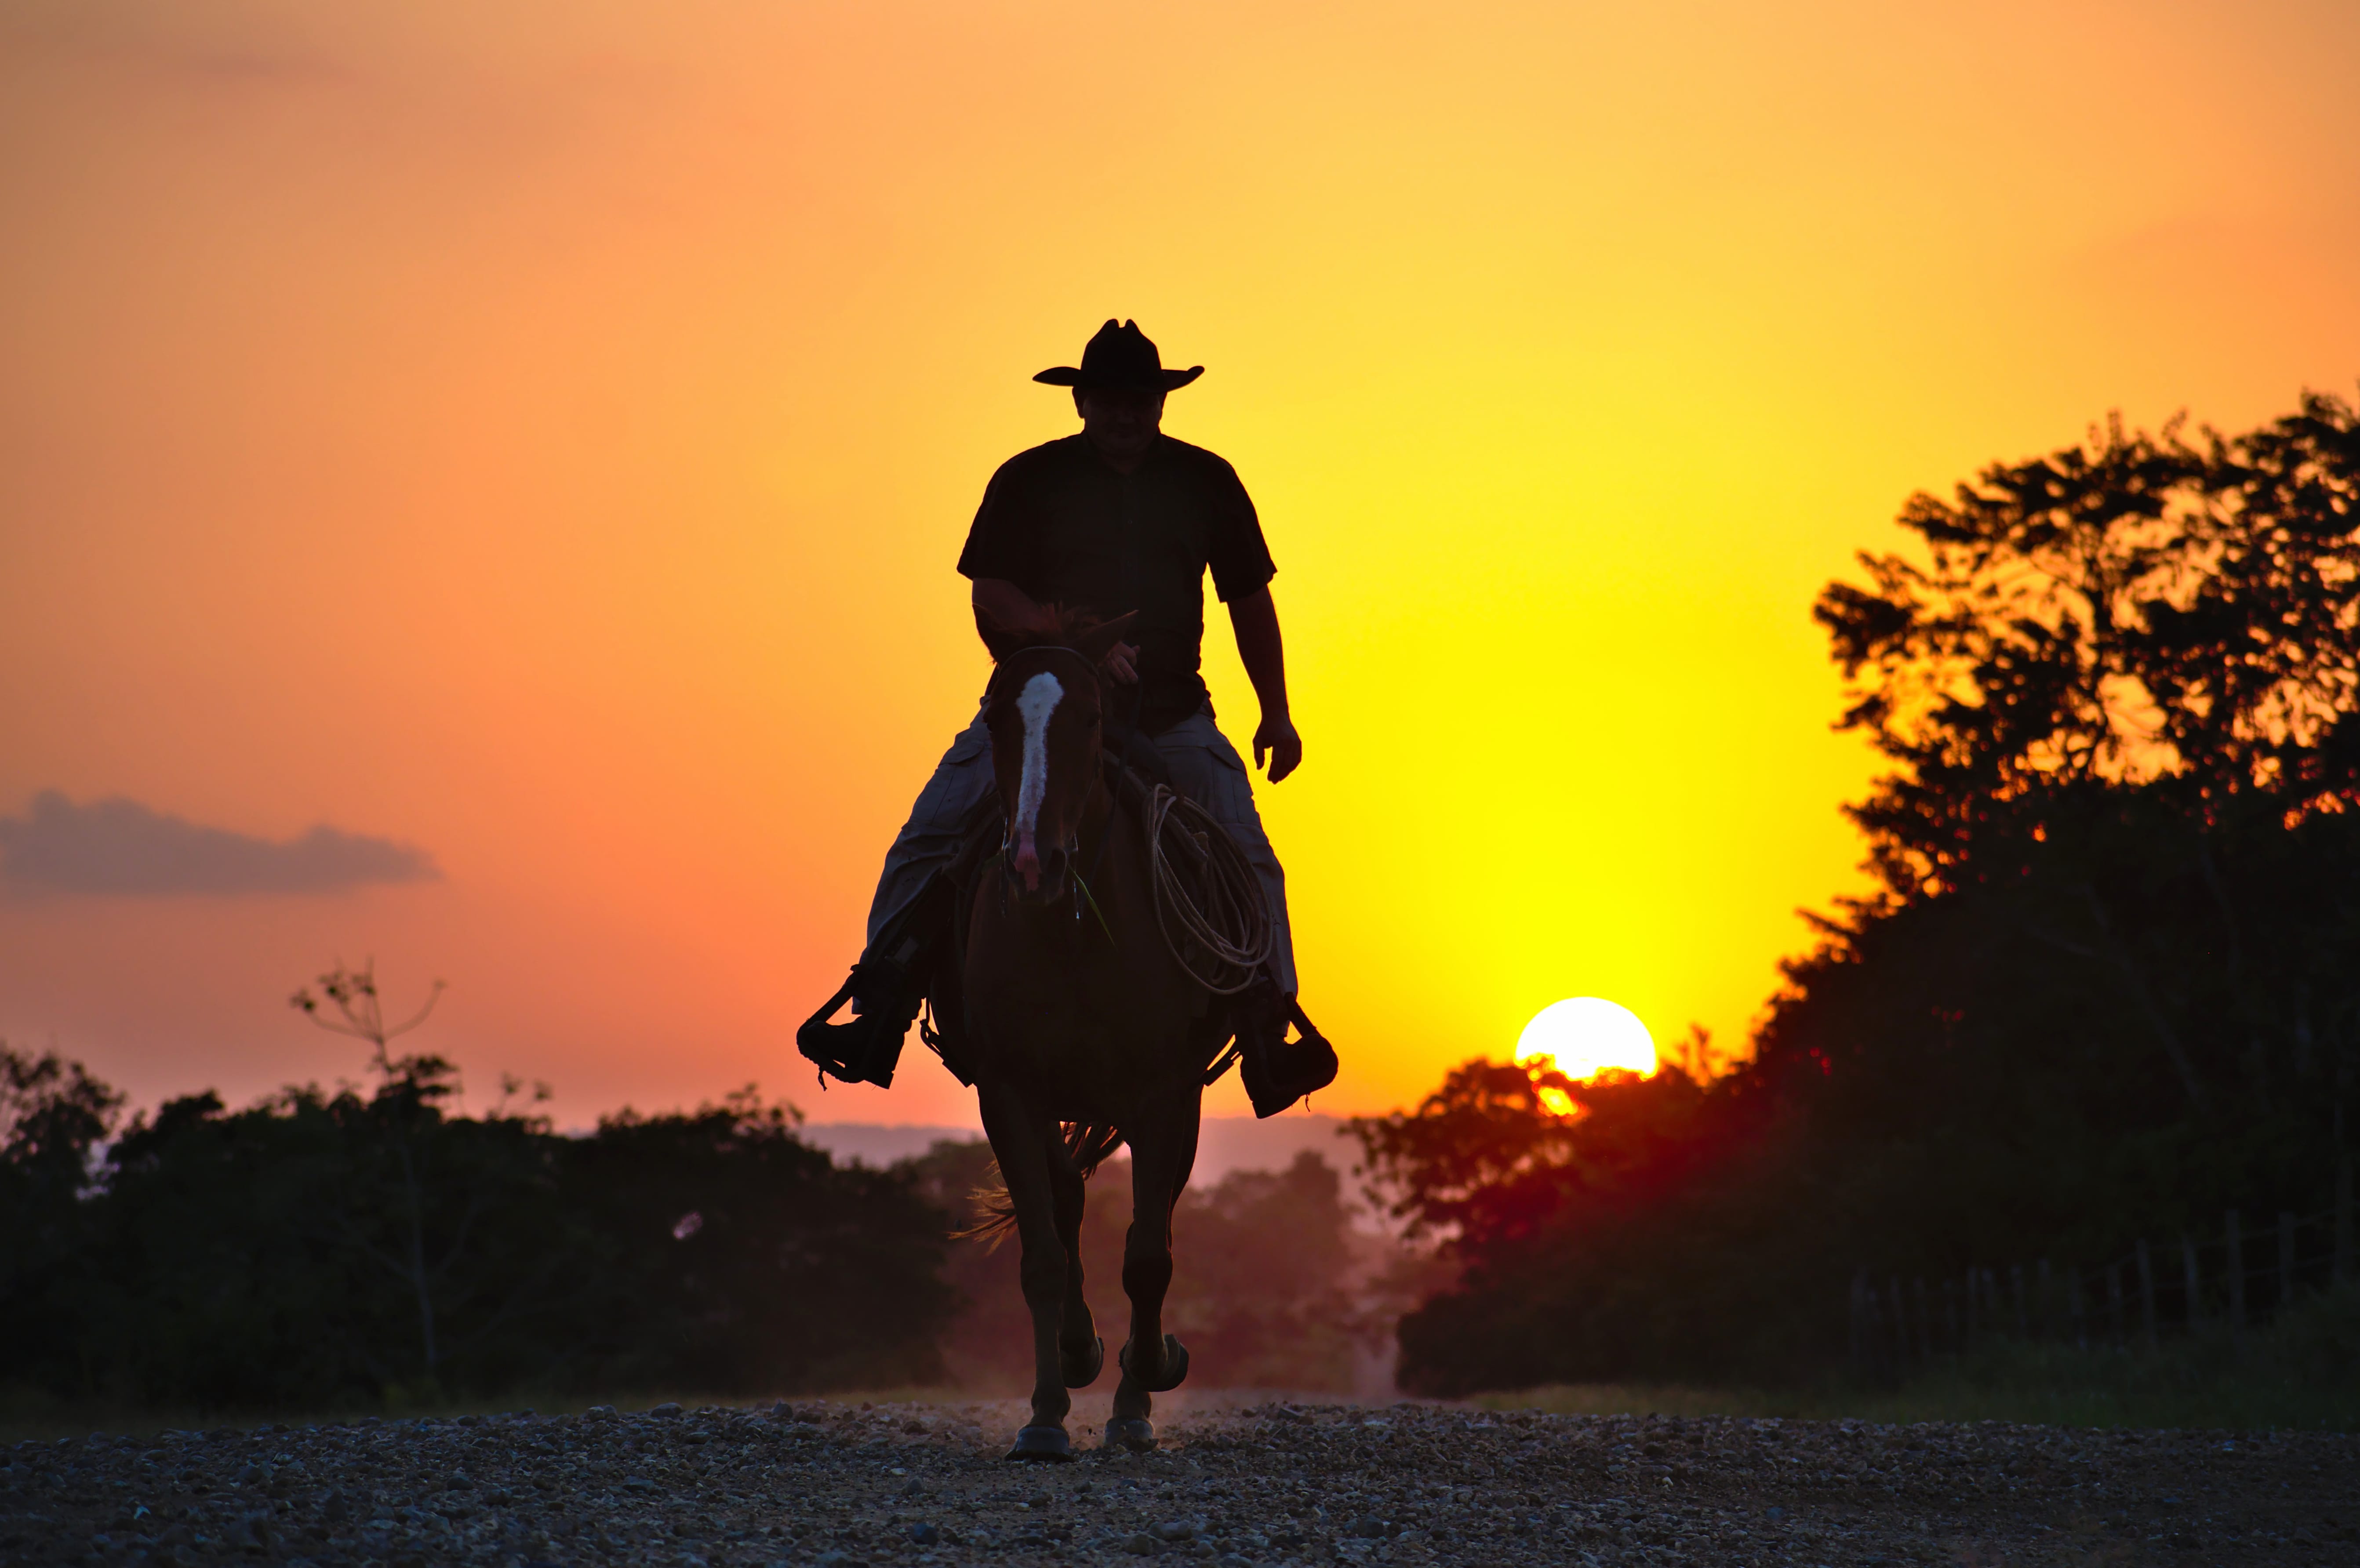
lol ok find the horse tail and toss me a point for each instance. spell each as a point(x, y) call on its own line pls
point(1086, 1147)
point(995, 1213)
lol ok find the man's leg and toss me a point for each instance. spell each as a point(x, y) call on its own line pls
point(929, 840)
point(1277, 1070)
point(883, 984)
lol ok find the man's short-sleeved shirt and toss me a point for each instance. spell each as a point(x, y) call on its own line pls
point(1060, 523)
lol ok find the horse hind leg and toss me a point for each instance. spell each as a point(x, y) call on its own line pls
point(1152, 1361)
point(1020, 1140)
point(1081, 1353)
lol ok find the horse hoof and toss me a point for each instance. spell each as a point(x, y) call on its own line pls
point(1135, 1432)
point(1175, 1365)
point(1047, 1444)
point(1081, 1374)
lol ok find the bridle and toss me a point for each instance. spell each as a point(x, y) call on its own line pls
point(1081, 890)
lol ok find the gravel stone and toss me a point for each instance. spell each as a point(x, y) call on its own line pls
point(816, 1484)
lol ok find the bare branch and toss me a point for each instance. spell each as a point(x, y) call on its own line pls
point(432, 996)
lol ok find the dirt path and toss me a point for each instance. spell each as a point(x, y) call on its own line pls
point(836, 1487)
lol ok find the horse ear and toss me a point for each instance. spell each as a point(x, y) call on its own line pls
point(1093, 644)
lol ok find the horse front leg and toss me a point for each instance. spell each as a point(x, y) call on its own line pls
point(1020, 1138)
point(1162, 1152)
point(1081, 1353)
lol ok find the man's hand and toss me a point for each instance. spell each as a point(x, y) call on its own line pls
point(1262, 653)
point(1121, 664)
point(1278, 737)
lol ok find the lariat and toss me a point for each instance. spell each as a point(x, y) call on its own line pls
point(1223, 941)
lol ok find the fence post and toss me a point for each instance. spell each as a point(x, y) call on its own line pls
point(2146, 1292)
point(2285, 1260)
point(2195, 1281)
point(2236, 1275)
point(1974, 1324)
point(1900, 1323)
point(2016, 1288)
point(2114, 1301)
point(2044, 1298)
point(2080, 1324)
point(1859, 1285)
point(1925, 1321)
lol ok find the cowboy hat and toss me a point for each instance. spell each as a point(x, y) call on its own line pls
point(1121, 355)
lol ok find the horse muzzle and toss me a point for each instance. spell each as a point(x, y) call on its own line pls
point(1037, 872)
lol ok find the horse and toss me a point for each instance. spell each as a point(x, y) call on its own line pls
point(1084, 1030)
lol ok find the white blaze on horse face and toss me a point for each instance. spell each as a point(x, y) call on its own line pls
point(1036, 702)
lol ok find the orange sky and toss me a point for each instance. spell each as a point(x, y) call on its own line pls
point(541, 433)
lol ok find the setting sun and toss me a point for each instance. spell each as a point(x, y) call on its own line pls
point(1584, 1036)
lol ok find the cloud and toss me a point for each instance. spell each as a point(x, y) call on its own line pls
point(122, 847)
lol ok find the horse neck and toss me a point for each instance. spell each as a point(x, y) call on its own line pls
point(1098, 803)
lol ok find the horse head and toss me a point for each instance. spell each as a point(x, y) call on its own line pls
point(1043, 709)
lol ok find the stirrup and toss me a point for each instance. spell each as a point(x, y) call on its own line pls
point(867, 1048)
point(1277, 1070)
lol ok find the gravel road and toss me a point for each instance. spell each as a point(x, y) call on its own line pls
point(835, 1486)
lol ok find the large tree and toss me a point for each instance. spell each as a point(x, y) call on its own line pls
point(2118, 685)
point(2105, 986)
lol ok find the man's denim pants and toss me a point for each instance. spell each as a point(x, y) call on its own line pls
point(1204, 765)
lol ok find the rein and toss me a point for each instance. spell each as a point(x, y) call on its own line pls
point(1114, 808)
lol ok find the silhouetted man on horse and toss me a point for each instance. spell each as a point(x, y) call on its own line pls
point(1084, 897)
point(1118, 521)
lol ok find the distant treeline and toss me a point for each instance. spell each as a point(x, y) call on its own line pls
point(320, 1249)
point(324, 1248)
point(2106, 989)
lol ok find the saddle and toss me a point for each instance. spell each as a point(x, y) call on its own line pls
point(921, 954)
point(1134, 769)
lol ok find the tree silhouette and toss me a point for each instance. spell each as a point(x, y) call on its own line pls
point(411, 1090)
point(2135, 657)
point(238, 1260)
point(2104, 988)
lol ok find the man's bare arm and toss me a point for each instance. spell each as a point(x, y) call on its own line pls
point(998, 601)
point(1001, 603)
point(1263, 653)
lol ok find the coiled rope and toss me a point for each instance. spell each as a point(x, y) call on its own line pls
point(1224, 942)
